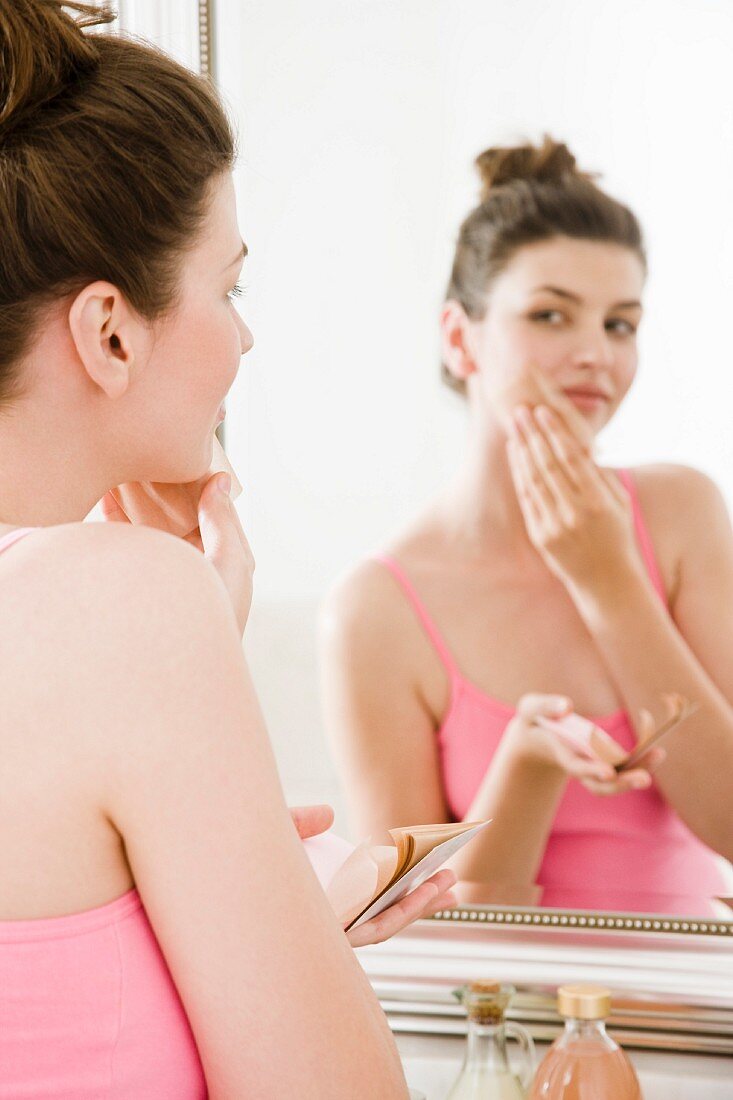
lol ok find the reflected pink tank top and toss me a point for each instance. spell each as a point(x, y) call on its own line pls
point(88, 1008)
point(601, 851)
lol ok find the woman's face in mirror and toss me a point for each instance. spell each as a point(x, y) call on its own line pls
point(570, 308)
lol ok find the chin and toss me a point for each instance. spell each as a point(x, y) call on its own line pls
point(180, 469)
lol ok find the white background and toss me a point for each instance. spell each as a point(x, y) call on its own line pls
point(359, 122)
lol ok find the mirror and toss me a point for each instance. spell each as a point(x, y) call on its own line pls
point(359, 125)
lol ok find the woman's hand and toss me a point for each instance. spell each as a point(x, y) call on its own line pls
point(220, 538)
point(434, 894)
point(577, 516)
point(531, 742)
point(311, 820)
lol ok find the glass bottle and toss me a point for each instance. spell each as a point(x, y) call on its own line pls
point(486, 1073)
point(585, 1063)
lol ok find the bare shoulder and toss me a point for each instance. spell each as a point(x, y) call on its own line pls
point(687, 518)
point(108, 568)
point(118, 613)
point(671, 495)
point(366, 610)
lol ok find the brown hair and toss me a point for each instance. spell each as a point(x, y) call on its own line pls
point(107, 151)
point(530, 193)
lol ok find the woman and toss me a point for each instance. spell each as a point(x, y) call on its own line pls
point(161, 931)
point(539, 571)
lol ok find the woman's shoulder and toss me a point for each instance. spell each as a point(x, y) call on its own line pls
point(361, 596)
point(110, 579)
point(368, 609)
point(667, 491)
point(115, 622)
point(94, 554)
point(682, 508)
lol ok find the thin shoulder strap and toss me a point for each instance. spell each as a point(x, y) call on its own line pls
point(429, 626)
point(14, 536)
point(642, 534)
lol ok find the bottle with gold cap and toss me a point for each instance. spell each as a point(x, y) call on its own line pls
point(486, 1073)
point(585, 1063)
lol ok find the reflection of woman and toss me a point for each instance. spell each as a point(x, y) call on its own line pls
point(537, 570)
point(135, 766)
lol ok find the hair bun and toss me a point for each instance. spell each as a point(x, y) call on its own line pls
point(42, 50)
point(546, 163)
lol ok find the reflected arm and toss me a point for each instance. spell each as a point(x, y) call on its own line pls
point(649, 652)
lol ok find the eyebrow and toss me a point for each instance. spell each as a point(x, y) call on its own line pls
point(241, 255)
point(633, 304)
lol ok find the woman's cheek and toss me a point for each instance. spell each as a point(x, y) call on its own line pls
point(218, 347)
point(628, 373)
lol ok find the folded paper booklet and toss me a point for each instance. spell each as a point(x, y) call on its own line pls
point(360, 882)
point(584, 736)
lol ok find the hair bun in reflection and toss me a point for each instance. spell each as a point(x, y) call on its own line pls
point(549, 162)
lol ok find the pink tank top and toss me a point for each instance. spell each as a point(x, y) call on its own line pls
point(615, 852)
point(88, 1008)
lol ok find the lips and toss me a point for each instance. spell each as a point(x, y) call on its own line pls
point(587, 392)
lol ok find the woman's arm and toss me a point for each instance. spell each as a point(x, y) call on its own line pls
point(648, 653)
point(188, 779)
point(581, 523)
point(380, 726)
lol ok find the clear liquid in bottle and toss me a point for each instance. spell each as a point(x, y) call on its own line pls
point(486, 1073)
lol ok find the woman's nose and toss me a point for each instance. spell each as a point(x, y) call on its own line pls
point(595, 350)
point(245, 335)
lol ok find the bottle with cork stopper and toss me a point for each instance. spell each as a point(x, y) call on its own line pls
point(486, 1073)
point(585, 1063)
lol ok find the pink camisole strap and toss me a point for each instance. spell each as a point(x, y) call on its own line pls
point(429, 626)
point(643, 537)
point(14, 536)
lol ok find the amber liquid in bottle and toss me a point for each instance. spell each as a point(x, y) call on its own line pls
point(585, 1067)
point(585, 1063)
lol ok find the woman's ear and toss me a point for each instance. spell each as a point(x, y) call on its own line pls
point(456, 341)
point(101, 325)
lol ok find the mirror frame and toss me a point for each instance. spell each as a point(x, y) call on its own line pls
point(666, 994)
point(207, 58)
point(584, 920)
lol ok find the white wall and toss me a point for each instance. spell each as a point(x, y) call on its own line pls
point(359, 121)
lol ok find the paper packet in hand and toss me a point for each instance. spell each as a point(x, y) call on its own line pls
point(582, 735)
point(585, 737)
point(350, 876)
point(169, 507)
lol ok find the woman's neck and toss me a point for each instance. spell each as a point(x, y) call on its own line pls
point(481, 507)
point(49, 473)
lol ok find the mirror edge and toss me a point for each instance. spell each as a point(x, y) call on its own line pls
point(583, 920)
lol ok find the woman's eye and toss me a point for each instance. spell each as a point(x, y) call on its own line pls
point(547, 316)
point(236, 292)
point(621, 327)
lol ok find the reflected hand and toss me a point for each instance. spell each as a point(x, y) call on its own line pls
point(597, 774)
point(577, 516)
